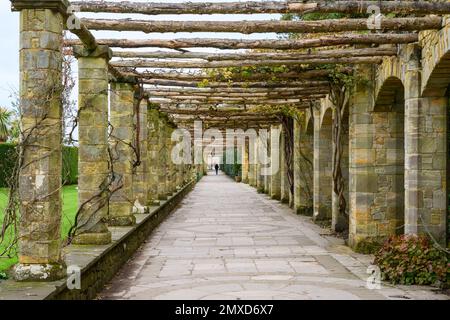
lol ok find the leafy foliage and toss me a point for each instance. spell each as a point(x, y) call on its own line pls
point(5, 121)
point(8, 159)
point(409, 259)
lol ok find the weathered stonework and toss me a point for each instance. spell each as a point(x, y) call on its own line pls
point(121, 141)
point(245, 161)
point(284, 182)
point(303, 164)
point(322, 164)
point(153, 156)
point(275, 177)
point(94, 163)
point(162, 161)
point(40, 175)
point(140, 176)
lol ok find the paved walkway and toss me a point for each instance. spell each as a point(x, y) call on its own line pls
point(227, 242)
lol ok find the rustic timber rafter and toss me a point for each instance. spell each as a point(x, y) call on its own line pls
point(172, 64)
point(256, 84)
point(370, 52)
point(200, 76)
point(404, 7)
point(249, 27)
point(324, 41)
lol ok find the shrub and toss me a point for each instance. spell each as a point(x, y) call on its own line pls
point(409, 259)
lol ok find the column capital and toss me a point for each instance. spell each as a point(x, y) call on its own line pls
point(101, 51)
point(57, 5)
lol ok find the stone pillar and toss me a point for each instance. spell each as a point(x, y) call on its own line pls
point(252, 163)
point(275, 177)
point(162, 163)
point(171, 174)
point(41, 36)
point(140, 177)
point(338, 221)
point(425, 155)
point(245, 161)
point(284, 191)
point(322, 165)
point(303, 166)
point(259, 176)
point(153, 156)
point(93, 161)
point(363, 180)
point(121, 139)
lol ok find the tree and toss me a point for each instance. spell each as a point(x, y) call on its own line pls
point(5, 121)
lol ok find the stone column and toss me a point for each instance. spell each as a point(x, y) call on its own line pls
point(259, 176)
point(41, 36)
point(153, 156)
point(338, 221)
point(303, 166)
point(284, 191)
point(425, 155)
point(252, 163)
point(245, 164)
point(93, 159)
point(140, 177)
point(171, 169)
point(362, 180)
point(275, 177)
point(162, 168)
point(322, 165)
point(121, 140)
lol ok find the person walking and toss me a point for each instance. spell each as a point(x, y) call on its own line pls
point(217, 169)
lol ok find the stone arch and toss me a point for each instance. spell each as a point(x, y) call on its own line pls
point(435, 62)
point(433, 137)
point(388, 207)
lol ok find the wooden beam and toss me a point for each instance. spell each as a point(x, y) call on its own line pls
point(286, 94)
point(256, 84)
point(346, 53)
point(324, 41)
point(176, 75)
point(243, 99)
point(404, 7)
point(249, 27)
point(226, 90)
point(228, 102)
point(168, 64)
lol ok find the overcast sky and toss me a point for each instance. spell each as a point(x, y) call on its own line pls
point(9, 37)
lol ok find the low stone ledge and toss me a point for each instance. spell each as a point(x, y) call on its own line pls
point(98, 264)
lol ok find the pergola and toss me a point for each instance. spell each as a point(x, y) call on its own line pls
point(184, 89)
point(301, 86)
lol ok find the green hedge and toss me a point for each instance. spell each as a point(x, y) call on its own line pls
point(8, 158)
point(231, 169)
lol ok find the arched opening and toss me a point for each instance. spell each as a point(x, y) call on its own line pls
point(388, 208)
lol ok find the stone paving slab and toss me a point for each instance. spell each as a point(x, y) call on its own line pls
point(228, 242)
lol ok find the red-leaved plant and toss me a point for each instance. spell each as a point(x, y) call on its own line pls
point(409, 259)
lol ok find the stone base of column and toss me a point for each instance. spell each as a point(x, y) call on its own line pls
point(154, 203)
point(304, 211)
point(122, 221)
point(365, 244)
point(39, 272)
point(100, 238)
point(284, 200)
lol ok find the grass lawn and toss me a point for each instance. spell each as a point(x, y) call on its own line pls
point(70, 205)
